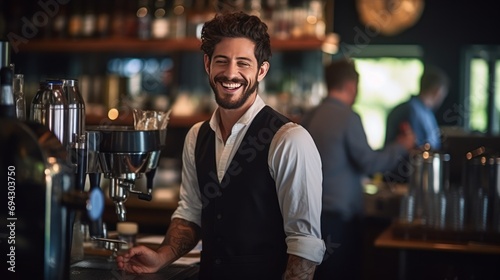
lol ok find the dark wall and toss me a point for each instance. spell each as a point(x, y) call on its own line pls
point(445, 28)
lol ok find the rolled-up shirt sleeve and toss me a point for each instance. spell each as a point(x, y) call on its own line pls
point(190, 205)
point(295, 165)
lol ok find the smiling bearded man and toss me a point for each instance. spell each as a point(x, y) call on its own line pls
point(251, 178)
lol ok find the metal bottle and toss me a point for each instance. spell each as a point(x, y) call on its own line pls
point(76, 110)
point(49, 107)
point(5, 53)
point(7, 108)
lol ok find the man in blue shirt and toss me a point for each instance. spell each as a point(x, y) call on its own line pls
point(418, 111)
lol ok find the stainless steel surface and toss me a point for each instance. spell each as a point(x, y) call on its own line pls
point(113, 245)
point(482, 191)
point(425, 203)
point(50, 107)
point(118, 192)
point(123, 154)
point(125, 139)
point(7, 105)
point(76, 110)
point(115, 164)
point(117, 241)
point(5, 53)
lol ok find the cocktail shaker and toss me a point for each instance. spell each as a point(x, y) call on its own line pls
point(76, 110)
point(49, 107)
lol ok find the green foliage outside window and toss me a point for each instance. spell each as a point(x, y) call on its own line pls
point(478, 98)
point(384, 83)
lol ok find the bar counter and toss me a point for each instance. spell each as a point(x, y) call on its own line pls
point(441, 258)
point(98, 263)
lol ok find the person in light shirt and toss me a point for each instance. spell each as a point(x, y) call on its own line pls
point(251, 178)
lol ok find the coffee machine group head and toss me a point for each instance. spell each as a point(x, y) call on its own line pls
point(122, 154)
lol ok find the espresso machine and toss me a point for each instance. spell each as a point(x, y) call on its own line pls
point(121, 154)
point(52, 154)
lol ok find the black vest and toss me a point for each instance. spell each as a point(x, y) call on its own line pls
point(242, 225)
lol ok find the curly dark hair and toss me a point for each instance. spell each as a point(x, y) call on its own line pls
point(236, 25)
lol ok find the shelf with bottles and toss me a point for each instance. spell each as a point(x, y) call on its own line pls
point(154, 25)
point(132, 45)
point(88, 52)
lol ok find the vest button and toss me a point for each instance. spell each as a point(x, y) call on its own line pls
point(219, 216)
point(218, 261)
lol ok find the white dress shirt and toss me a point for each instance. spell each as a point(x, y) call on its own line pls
point(294, 164)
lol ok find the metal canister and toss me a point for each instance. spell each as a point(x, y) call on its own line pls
point(482, 183)
point(49, 107)
point(76, 110)
point(428, 183)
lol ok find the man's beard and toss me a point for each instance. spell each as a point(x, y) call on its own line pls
point(226, 103)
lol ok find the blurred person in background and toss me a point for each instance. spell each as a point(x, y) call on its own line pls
point(419, 110)
point(347, 158)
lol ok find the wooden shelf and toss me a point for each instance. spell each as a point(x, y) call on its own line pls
point(126, 45)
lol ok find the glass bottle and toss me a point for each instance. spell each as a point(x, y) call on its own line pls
point(103, 20)
point(7, 107)
point(75, 23)
point(160, 27)
point(178, 21)
point(89, 20)
point(19, 99)
point(144, 20)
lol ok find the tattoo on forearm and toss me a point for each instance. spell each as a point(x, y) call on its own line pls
point(299, 268)
point(182, 236)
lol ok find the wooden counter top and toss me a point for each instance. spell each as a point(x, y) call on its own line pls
point(387, 240)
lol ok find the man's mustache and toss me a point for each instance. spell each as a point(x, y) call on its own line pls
point(227, 80)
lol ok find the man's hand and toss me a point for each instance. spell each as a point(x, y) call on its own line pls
point(140, 259)
point(406, 137)
point(180, 238)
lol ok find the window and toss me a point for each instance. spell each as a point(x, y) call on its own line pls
point(385, 81)
point(478, 98)
point(482, 97)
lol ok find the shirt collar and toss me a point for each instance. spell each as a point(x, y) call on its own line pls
point(247, 117)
